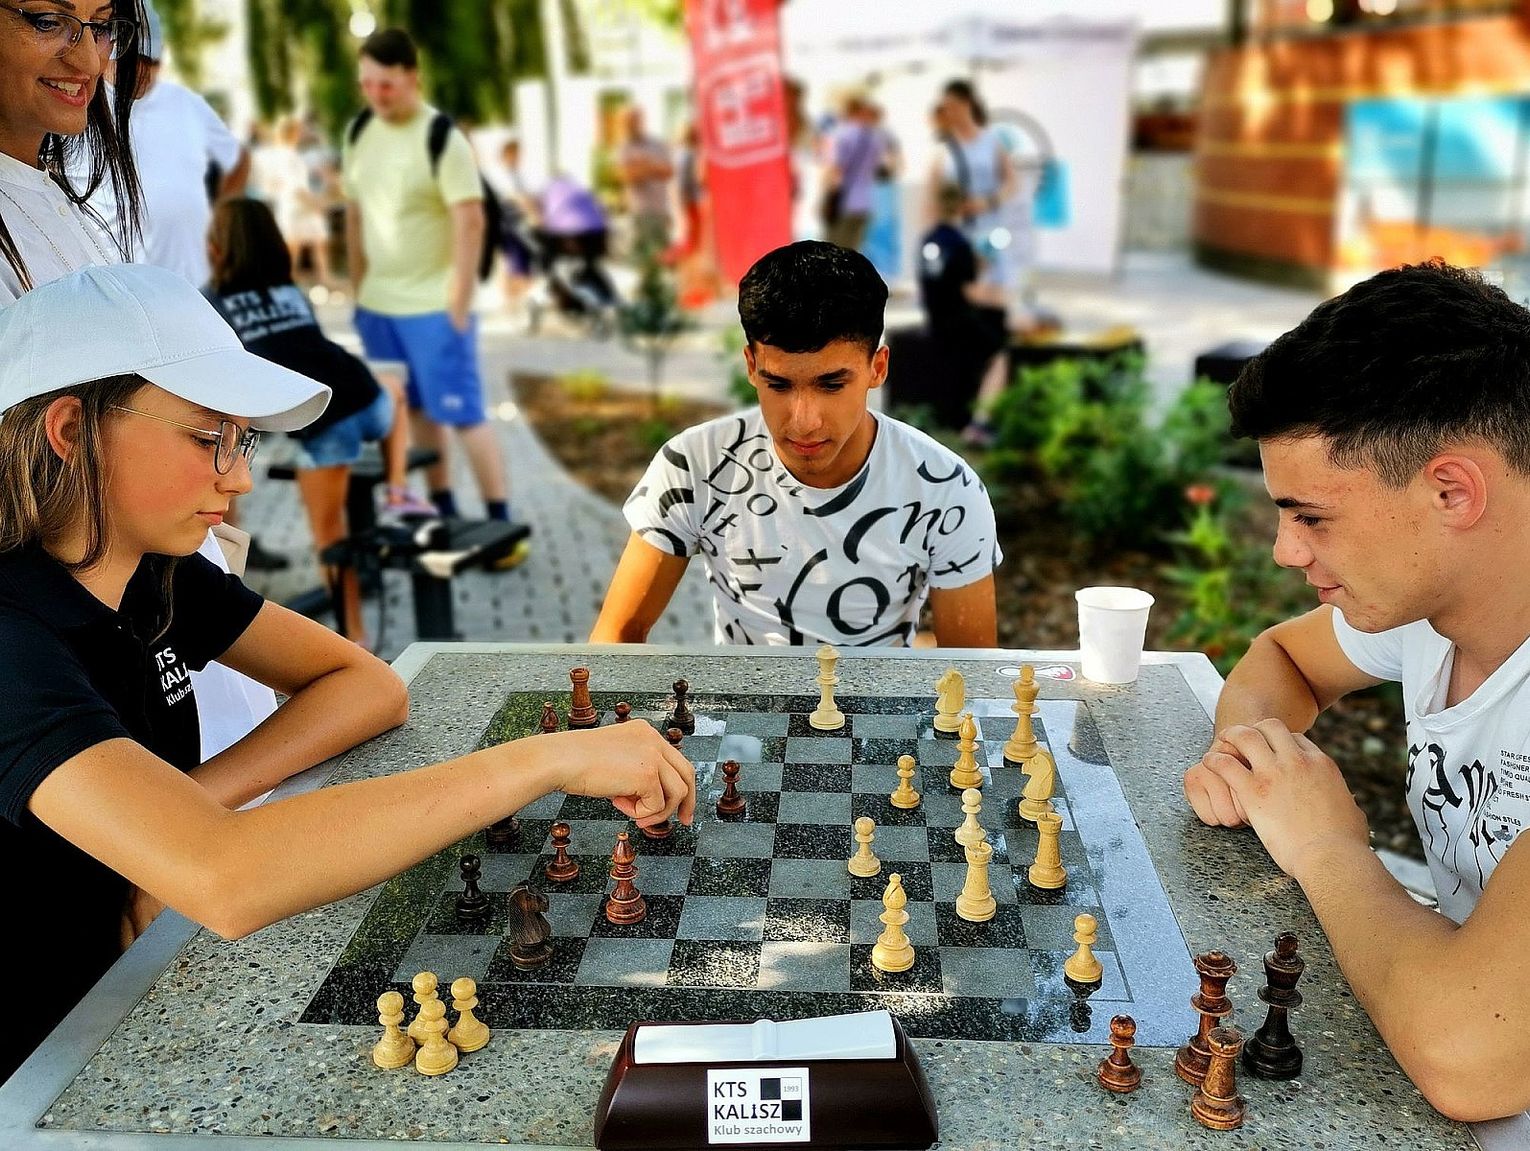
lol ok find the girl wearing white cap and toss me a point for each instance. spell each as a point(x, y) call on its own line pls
point(129, 413)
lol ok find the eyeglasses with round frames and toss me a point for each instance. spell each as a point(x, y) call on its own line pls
point(58, 32)
point(229, 439)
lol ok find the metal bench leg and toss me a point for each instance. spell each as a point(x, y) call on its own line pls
point(432, 606)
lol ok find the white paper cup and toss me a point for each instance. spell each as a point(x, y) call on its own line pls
point(1112, 624)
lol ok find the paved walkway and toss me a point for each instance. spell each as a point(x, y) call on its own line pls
point(577, 536)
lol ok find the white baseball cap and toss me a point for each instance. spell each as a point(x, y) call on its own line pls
point(122, 319)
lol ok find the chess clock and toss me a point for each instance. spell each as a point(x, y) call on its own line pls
point(841, 1081)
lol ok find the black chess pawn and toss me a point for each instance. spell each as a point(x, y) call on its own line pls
point(623, 712)
point(503, 833)
point(1116, 1071)
point(561, 868)
point(528, 930)
point(681, 717)
point(731, 804)
point(472, 904)
point(1272, 1053)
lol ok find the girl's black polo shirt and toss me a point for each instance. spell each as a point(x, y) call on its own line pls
point(75, 673)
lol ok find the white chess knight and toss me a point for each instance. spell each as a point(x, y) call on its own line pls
point(827, 716)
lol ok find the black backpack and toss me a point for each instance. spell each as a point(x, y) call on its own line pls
point(493, 212)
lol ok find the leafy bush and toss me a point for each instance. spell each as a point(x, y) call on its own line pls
point(1231, 589)
point(730, 351)
point(1082, 427)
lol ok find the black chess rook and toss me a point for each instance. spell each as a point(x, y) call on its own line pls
point(581, 712)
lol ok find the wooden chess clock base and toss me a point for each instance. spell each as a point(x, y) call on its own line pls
point(814, 1103)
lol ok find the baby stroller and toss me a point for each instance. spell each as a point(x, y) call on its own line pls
point(568, 247)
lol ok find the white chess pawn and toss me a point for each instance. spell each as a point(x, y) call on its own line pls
point(827, 716)
point(436, 1055)
point(905, 798)
point(394, 1049)
point(1082, 966)
point(863, 862)
point(971, 831)
point(470, 1033)
point(424, 985)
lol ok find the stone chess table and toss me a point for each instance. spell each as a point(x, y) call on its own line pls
point(265, 1042)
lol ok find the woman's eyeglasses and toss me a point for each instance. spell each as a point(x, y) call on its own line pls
point(58, 32)
point(230, 439)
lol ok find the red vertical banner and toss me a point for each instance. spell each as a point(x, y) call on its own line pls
point(741, 106)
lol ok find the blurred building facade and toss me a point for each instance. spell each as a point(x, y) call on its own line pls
point(1337, 137)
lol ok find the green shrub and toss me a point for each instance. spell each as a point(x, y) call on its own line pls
point(1230, 587)
point(730, 351)
point(1082, 428)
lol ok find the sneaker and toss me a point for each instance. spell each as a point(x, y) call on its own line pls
point(405, 504)
point(258, 559)
point(513, 558)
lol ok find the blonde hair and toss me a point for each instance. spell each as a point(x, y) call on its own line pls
point(44, 495)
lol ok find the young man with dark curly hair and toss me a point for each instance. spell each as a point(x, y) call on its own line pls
point(818, 520)
point(1394, 425)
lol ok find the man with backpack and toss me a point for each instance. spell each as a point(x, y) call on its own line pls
point(415, 229)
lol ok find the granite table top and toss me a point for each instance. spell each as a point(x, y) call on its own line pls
point(195, 1040)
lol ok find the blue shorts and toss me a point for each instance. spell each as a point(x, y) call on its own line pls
point(443, 362)
point(341, 443)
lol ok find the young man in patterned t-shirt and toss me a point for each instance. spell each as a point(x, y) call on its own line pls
point(818, 520)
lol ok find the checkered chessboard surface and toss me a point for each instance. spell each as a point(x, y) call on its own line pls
point(758, 917)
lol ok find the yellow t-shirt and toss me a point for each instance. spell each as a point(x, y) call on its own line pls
point(406, 228)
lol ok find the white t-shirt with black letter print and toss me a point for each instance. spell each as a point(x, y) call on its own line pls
point(1468, 765)
point(791, 564)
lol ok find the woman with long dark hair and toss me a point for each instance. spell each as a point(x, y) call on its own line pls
point(63, 134)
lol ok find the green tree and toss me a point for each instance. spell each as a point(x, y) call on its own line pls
point(302, 53)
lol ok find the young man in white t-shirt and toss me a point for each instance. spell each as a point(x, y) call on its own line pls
point(1394, 424)
point(818, 520)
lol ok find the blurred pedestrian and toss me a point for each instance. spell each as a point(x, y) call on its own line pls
point(414, 231)
point(883, 245)
point(855, 150)
point(646, 169)
point(974, 159)
point(176, 137)
point(969, 333)
point(518, 205)
point(293, 185)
